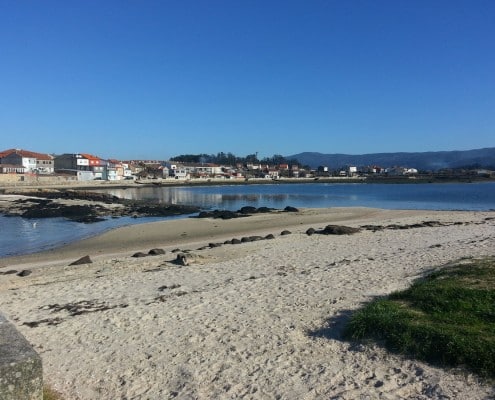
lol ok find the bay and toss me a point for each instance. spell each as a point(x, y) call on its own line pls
point(22, 236)
point(445, 196)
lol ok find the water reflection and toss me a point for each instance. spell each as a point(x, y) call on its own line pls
point(392, 196)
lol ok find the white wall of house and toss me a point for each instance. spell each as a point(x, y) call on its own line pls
point(181, 174)
point(45, 166)
point(82, 161)
point(85, 176)
point(112, 175)
point(352, 171)
point(99, 172)
point(29, 164)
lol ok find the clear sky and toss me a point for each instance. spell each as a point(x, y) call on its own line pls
point(154, 79)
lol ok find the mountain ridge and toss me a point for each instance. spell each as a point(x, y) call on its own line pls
point(430, 161)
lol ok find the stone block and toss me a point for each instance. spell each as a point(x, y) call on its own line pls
point(21, 372)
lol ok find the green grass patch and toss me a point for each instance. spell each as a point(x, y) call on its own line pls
point(446, 318)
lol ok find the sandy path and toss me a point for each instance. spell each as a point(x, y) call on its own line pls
point(259, 320)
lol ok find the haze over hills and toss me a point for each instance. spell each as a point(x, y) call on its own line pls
point(426, 161)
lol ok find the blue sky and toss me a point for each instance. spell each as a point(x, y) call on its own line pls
point(155, 79)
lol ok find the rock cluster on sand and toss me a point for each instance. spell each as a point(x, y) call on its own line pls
point(242, 212)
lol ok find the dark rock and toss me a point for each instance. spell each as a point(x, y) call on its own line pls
point(24, 272)
point(397, 227)
point(88, 219)
point(9, 272)
point(58, 210)
point(339, 230)
point(255, 238)
point(161, 210)
point(182, 259)
point(139, 254)
point(245, 239)
point(227, 215)
point(222, 214)
point(265, 210)
point(310, 231)
point(283, 233)
point(156, 252)
point(228, 242)
point(432, 223)
point(235, 241)
point(214, 244)
point(290, 209)
point(270, 236)
point(373, 228)
point(248, 210)
point(82, 260)
point(173, 286)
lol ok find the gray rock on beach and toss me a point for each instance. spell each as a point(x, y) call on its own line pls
point(310, 231)
point(339, 230)
point(139, 254)
point(182, 259)
point(82, 260)
point(156, 252)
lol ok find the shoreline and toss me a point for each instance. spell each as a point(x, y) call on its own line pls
point(258, 320)
point(169, 234)
point(18, 187)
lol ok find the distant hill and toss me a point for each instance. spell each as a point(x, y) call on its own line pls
point(427, 161)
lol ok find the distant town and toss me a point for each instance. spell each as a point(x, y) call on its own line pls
point(18, 165)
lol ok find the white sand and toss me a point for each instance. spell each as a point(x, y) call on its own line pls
point(258, 320)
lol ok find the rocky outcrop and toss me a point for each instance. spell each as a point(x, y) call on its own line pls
point(95, 207)
point(242, 212)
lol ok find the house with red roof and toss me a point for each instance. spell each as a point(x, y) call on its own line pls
point(30, 161)
point(85, 166)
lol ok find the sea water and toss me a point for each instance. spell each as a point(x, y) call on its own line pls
point(22, 236)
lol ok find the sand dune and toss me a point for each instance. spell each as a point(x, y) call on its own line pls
point(257, 320)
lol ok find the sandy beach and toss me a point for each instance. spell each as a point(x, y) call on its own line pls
point(256, 320)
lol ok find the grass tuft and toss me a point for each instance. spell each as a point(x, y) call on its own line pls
point(50, 394)
point(447, 318)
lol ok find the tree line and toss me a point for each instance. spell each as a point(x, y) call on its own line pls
point(222, 158)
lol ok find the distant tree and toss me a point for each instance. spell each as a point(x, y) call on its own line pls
point(231, 159)
point(252, 158)
point(293, 162)
point(190, 158)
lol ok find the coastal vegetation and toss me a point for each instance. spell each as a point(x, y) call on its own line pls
point(446, 318)
point(50, 394)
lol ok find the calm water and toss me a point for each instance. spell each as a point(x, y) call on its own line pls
point(475, 196)
point(20, 236)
